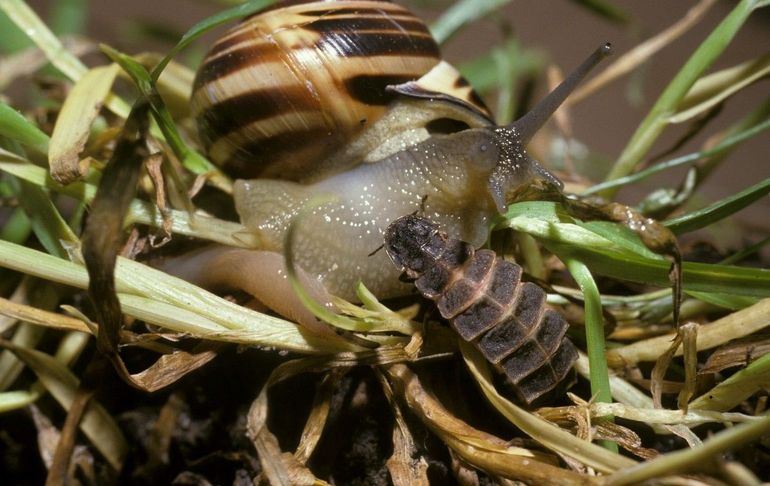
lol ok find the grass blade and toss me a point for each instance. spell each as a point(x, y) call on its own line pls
point(733, 326)
point(640, 54)
point(205, 25)
point(39, 33)
point(715, 88)
point(462, 13)
point(596, 346)
point(737, 388)
point(191, 159)
point(678, 461)
point(657, 119)
point(14, 126)
point(97, 424)
point(73, 125)
point(719, 210)
point(720, 149)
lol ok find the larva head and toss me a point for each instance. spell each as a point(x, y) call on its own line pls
point(413, 243)
point(514, 167)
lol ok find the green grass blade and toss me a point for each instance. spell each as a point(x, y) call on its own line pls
point(191, 159)
point(39, 33)
point(606, 10)
point(482, 72)
point(717, 87)
point(694, 457)
point(16, 227)
point(14, 40)
point(170, 302)
point(142, 212)
point(702, 277)
point(657, 119)
point(460, 14)
point(69, 16)
point(720, 149)
point(205, 25)
point(616, 252)
point(596, 346)
point(732, 302)
point(49, 226)
point(14, 126)
point(737, 388)
point(719, 210)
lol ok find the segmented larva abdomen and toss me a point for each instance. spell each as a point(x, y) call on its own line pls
point(291, 84)
point(485, 301)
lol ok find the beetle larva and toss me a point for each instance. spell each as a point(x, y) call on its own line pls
point(487, 304)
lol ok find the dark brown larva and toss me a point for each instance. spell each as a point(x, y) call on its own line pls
point(485, 301)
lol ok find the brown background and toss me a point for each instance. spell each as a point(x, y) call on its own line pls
point(566, 33)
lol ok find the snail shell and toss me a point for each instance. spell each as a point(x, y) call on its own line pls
point(290, 86)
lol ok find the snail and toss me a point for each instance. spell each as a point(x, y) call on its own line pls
point(348, 101)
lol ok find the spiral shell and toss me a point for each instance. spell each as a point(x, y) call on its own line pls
point(290, 85)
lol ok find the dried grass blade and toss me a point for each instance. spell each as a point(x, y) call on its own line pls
point(60, 466)
point(319, 413)
point(14, 400)
point(689, 333)
point(104, 231)
point(661, 367)
point(169, 368)
point(478, 448)
point(40, 317)
point(30, 295)
point(736, 388)
point(97, 424)
point(715, 88)
point(683, 460)
point(546, 433)
point(404, 468)
point(739, 352)
point(733, 326)
point(652, 416)
point(280, 469)
point(73, 125)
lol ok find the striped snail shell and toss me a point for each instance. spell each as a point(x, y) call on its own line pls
point(290, 86)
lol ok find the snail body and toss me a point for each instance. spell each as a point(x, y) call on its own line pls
point(425, 141)
point(452, 173)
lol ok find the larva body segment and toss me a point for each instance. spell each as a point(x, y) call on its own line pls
point(487, 304)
